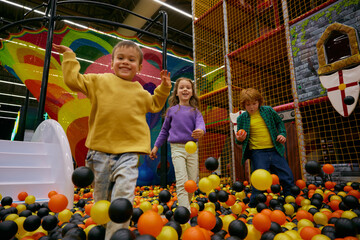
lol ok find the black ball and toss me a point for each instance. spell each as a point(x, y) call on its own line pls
point(120, 210)
point(136, 214)
point(66, 227)
point(49, 222)
point(238, 228)
point(351, 201)
point(193, 221)
point(176, 226)
point(344, 227)
point(313, 167)
point(218, 225)
point(355, 185)
point(181, 214)
point(316, 202)
point(6, 201)
point(96, 233)
point(75, 233)
point(275, 188)
point(349, 100)
point(8, 229)
point(295, 190)
point(124, 234)
point(273, 203)
point(223, 196)
point(261, 198)
point(260, 206)
point(145, 237)
point(81, 203)
point(82, 177)
point(164, 196)
point(32, 223)
point(25, 213)
point(43, 212)
point(238, 186)
point(213, 197)
point(169, 214)
point(211, 163)
point(269, 235)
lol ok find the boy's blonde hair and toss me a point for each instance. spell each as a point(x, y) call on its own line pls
point(174, 100)
point(128, 44)
point(248, 95)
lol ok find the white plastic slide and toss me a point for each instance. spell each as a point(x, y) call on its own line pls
point(39, 166)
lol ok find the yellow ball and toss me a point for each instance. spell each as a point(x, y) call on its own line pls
point(30, 199)
point(320, 218)
point(261, 179)
point(185, 226)
point(65, 215)
point(293, 234)
point(11, 217)
point(304, 223)
point(236, 208)
point(227, 219)
point(289, 209)
point(195, 205)
point(283, 236)
point(210, 209)
point(100, 212)
point(205, 185)
point(20, 223)
point(190, 147)
point(320, 237)
point(289, 199)
point(348, 214)
point(253, 234)
point(160, 209)
point(167, 233)
point(215, 180)
point(145, 206)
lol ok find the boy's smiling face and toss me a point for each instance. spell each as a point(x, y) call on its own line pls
point(126, 63)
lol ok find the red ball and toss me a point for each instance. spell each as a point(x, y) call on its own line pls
point(22, 196)
point(328, 168)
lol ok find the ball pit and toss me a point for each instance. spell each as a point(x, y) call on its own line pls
point(221, 212)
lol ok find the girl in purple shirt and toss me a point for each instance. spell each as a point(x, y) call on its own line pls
point(183, 123)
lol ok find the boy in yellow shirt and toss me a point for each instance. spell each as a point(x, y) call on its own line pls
point(118, 131)
point(263, 140)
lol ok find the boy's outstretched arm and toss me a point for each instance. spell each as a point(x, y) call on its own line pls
point(61, 48)
point(165, 78)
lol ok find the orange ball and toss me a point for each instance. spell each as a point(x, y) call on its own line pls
point(22, 196)
point(57, 203)
point(88, 208)
point(231, 200)
point(334, 204)
point(261, 222)
point(275, 179)
point(278, 216)
point(52, 193)
point(193, 233)
point(206, 220)
point(308, 232)
point(190, 186)
point(193, 212)
point(301, 183)
point(241, 132)
point(150, 222)
point(328, 168)
point(302, 214)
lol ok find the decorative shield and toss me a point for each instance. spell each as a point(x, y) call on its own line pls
point(342, 85)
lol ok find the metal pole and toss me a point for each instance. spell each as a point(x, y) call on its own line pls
point(45, 76)
point(163, 168)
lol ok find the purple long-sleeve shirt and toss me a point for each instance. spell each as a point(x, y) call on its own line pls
point(180, 122)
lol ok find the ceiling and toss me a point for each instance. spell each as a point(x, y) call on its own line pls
point(13, 92)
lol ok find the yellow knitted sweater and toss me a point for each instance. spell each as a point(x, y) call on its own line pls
point(117, 121)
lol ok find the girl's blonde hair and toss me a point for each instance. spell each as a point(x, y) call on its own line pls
point(248, 95)
point(174, 100)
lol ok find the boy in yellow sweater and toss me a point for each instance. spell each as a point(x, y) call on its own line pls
point(118, 131)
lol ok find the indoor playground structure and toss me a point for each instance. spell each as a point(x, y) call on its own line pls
point(304, 58)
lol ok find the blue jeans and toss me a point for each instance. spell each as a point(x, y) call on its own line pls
point(270, 160)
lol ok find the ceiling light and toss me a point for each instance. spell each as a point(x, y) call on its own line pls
point(174, 8)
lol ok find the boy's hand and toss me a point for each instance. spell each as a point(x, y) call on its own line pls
point(281, 139)
point(153, 153)
point(197, 133)
point(61, 48)
point(241, 135)
point(165, 78)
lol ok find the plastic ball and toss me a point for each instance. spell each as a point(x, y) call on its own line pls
point(120, 210)
point(176, 226)
point(300, 183)
point(211, 163)
point(238, 186)
point(261, 179)
point(205, 185)
point(206, 220)
point(32, 223)
point(313, 167)
point(65, 215)
point(282, 236)
point(349, 100)
point(190, 186)
point(22, 196)
point(193, 233)
point(52, 193)
point(57, 203)
point(167, 233)
point(49, 222)
point(145, 237)
point(190, 147)
point(124, 234)
point(100, 212)
point(164, 196)
point(261, 222)
point(8, 229)
point(227, 219)
point(6, 201)
point(96, 233)
point(150, 223)
point(215, 180)
point(145, 206)
point(278, 217)
point(328, 168)
point(136, 214)
point(181, 214)
point(82, 177)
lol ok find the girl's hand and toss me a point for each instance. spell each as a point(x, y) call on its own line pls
point(241, 135)
point(61, 48)
point(197, 133)
point(281, 139)
point(165, 78)
point(153, 153)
